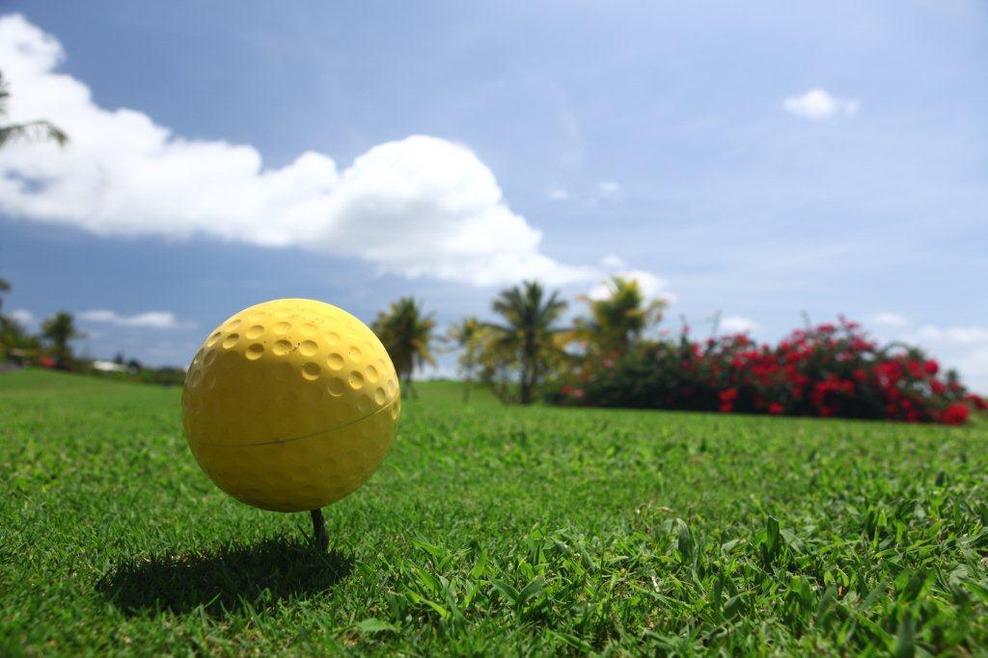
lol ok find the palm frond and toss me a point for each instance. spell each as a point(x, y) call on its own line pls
point(33, 131)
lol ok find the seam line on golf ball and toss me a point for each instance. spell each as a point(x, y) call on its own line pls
point(386, 407)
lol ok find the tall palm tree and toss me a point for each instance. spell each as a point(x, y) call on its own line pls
point(406, 333)
point(4, 287)
point(529, 334)
point(58, 330)
point(619, 319)
point(39, 129)
point(469, 336)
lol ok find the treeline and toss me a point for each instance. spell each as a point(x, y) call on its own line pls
point(51, 347)
point(607, 357)
point(527, 346)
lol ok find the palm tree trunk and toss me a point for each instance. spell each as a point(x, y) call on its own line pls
point(526, 385)
point(412, 393)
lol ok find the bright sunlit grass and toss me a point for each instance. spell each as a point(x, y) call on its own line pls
point(492, 529)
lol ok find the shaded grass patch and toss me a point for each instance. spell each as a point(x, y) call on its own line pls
point(223, 580)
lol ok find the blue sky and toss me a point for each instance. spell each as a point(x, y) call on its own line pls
point(757, 160)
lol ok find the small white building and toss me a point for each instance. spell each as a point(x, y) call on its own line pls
point(109, 366)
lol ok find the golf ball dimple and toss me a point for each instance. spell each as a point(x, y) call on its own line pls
point(291, 404)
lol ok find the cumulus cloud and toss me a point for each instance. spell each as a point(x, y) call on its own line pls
point(23, 317)
point(148, 320)
point(889, 319)
point(421, 206)
point(817, 104)
point(964, 348)
point(652, 286)
point(959, 335)
point(612, 261)
point(736, 324)
point(558, 194)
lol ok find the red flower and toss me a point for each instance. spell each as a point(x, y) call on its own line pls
point(931, 367)
point(862, 345)
point(775, 408)
point(728, 395)
point(915, 369)
point(955, 414)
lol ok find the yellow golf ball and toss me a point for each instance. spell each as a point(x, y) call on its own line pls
point(290, 405)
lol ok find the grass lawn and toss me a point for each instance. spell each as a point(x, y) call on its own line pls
point(494, 530)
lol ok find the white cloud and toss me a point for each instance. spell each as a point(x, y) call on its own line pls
point(817, 104)
point(889, 319)
point(421, 206)
point(610, 190)
point(959, 335)
point(736, 324)
point(612, 261)
point(652, 286)
point(558, 194)
point(148, 320)
point(962, 348)
point(23, 317)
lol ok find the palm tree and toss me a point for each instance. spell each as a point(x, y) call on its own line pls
point(58, 330)
point(406, 333)
point(619, 320)
point(529, 336)
point(469, 336)
point(4, 287)
point(39, 129)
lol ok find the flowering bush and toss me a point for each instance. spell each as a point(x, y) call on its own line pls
point(831, 370)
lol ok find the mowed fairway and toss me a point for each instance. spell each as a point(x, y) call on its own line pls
point(494, 530)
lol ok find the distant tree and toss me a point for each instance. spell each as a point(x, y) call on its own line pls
point(134, 366)
point(118, 358)
point(34, 130)
point(406, 332)
point(529, 337)
point(619, 319)
point(469, 335)
point(58, 330)
point(4, 287)
point(14, 338)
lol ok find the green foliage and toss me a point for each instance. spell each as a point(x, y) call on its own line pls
point(58, 331)
point(471, 337)
point(618, 320)
point(4, 287)
point(495, 530)
point(406, 332)
point(528, 342)
point(13, 335)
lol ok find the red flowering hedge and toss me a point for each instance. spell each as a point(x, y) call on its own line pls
point(829, 370)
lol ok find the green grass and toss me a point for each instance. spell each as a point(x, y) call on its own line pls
point(493, 530)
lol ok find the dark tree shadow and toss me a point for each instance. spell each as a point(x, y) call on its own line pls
point(225, 579)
